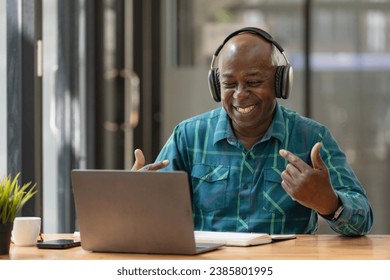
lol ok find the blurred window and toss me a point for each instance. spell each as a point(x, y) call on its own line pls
point(351, 68)
point(3, 91)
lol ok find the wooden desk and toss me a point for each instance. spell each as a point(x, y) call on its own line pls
point(304, 247)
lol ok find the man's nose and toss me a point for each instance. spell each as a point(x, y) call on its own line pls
point(240, 91)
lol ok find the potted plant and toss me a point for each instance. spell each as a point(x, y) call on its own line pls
point(12, 198)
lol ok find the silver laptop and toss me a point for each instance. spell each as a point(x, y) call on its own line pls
point(135, 212)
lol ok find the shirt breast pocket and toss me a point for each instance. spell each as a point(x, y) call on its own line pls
point(209, 184)
point(276, 200)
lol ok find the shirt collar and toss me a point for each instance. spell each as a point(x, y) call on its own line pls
point(224, 129)
point(277, 129)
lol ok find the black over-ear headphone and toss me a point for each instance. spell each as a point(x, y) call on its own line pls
point(283, 74)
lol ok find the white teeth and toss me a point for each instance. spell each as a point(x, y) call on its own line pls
point(245, 110)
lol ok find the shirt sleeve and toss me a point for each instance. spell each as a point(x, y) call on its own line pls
point(174, 151)
point(357, 217)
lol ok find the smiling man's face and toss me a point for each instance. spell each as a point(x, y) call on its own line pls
point(247, 84)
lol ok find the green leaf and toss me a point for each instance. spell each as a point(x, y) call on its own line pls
point(13, 197)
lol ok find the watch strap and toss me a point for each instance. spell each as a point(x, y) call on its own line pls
point(334, 216)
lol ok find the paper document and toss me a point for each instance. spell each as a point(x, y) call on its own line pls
point(232, 238)
point(238, 238)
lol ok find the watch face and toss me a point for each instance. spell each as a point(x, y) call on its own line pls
point(338, 212)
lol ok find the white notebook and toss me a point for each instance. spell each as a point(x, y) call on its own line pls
point(238, 238)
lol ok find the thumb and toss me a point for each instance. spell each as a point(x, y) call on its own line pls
point(316, 159)
point(139, 160)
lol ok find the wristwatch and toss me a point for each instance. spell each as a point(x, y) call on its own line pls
point(333, 217)
point(338, 212)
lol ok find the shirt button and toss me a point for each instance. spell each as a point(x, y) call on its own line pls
point(245, 187)
point(243, 217)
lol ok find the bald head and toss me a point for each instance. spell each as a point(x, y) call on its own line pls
point(248, 45)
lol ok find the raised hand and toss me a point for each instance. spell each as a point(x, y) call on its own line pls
point(139, 164)
point(308, 185)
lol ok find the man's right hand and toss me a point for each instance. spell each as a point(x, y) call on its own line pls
point(139, 164)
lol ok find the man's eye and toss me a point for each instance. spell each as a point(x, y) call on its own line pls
point(228, 85)
point(254, 83)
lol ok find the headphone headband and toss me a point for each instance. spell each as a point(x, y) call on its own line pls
point(253, 30)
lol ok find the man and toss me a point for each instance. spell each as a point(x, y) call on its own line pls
point(256, 166)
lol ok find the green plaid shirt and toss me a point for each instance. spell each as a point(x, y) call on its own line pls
point(234, 189)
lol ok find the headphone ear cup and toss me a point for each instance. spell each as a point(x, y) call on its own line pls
point(283, 81)
point(278, 81)
point(214, 85)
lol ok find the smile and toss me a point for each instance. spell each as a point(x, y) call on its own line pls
point(245, 110)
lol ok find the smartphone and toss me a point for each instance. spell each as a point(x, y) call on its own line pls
point(58, 244)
